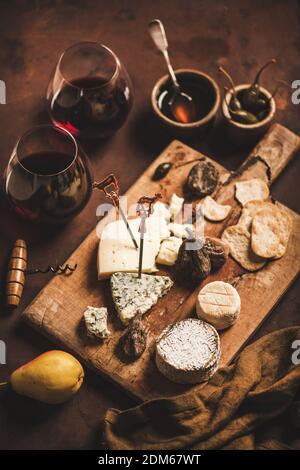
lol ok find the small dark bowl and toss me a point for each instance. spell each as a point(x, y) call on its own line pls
point(208, 88)
point(243, 133)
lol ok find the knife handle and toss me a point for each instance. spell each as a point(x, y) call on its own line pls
point(15, 278)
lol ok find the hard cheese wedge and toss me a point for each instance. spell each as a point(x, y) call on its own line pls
point(134, 296)
point(117, 253)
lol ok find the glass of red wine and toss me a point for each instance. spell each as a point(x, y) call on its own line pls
point(48, 178)
point(90, 93)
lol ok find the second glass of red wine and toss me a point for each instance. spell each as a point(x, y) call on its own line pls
point(90, 93)
point(48, 178)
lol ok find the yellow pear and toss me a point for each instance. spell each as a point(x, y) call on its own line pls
point(53, 377)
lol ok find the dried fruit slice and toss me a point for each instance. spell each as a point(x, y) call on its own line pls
point(217, 251)
point(202, 179)
point(134, 340)
point(192, 264)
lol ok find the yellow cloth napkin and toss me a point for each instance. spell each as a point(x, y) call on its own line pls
point(238, 401)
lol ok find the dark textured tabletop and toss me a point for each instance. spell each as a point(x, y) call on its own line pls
point(240, 35)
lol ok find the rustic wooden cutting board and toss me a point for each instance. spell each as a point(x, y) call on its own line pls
point(57, 310)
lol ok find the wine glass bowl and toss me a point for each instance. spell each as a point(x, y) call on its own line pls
point(48, 178)
point(90, 93)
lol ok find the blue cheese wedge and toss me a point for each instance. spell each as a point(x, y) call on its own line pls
point(188, 351)
point(96, 322)
point(133, 296)
point(168, 252)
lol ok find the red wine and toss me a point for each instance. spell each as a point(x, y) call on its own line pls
point(91, 108)
point(203, 97)
point(47, 163)
point(49, 187)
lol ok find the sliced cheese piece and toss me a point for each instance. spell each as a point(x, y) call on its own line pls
point(214, 211)
point(115, 256)
point(96, 322)
point(117, 253)
point(169, 251)
point(156, 228)
point(176, 204)
point(180, 230)
point(188, 351)
point(133, 296)
point(219, 304)
point(160, 209)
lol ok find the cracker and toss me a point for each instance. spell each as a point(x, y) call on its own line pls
point(271, 228)
point(251, 190)
point(214, 211)
point(239, 242)
point(249, 211)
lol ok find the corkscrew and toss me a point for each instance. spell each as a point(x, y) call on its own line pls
point(110, 187)
point(144, 209)
point(17, 272)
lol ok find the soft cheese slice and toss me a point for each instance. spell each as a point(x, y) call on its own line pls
point(219, 304)
point(188, 352)
point(160, 209)
point(134, 296)
point(176, 204)
point(180, 230)
point(169, 251)
point(116, 252)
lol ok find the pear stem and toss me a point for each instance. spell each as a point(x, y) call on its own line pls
point(4, 386)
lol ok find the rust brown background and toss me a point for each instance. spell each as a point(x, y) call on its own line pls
point(240, 35)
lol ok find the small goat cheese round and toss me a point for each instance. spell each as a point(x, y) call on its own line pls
point(188, 351)
point(219, 304)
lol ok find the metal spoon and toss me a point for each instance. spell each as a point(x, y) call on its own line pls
point(182, 105)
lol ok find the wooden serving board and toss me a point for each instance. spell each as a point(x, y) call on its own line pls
point(57, 310)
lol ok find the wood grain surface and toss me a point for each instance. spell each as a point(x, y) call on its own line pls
point(57, 311)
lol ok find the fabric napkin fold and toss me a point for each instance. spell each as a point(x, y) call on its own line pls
point(230, 412)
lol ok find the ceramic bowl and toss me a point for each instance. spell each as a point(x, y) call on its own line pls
point(245, 132)
point(211, 97)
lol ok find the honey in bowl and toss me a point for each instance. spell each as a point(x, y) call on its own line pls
point(198, 88)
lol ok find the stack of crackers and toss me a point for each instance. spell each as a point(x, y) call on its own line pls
point(263, 230)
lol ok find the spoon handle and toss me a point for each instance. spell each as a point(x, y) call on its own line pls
point(158, 34)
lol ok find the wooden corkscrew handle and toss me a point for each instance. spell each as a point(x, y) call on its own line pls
point(15, 279)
